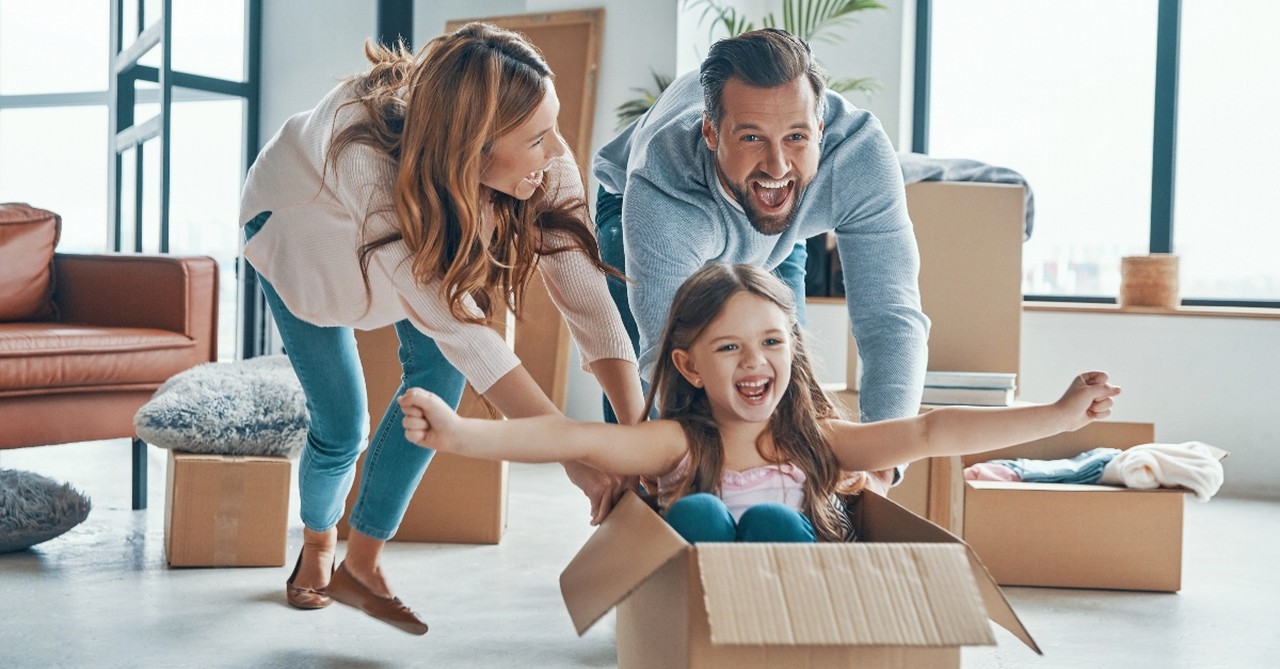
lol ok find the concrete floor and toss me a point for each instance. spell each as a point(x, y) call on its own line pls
point(102, 596)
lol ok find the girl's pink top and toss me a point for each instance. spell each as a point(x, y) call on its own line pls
point(781, 483)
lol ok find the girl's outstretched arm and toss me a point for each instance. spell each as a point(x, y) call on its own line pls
point(649, 448)
point(964, 430)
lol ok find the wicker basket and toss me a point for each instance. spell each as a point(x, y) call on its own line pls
point(1149, 281)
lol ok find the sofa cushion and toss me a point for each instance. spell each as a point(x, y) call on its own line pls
point(27, 238)
point(49, 358)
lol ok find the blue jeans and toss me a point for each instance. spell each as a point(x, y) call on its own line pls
point(704, 517)
point(328, 367)
point(609, 234)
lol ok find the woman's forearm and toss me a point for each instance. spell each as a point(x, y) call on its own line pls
point(517, 395)
point(621, 384)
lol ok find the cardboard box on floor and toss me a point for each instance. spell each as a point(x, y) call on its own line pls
point(1075, 536)
point(461, 499)
point(908, 594)
point(1054, 534)
point(226, 510)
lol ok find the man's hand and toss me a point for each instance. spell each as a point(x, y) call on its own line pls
point(602, 489)
point(880, 482)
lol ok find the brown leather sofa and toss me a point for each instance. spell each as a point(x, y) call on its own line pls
point(115, 327)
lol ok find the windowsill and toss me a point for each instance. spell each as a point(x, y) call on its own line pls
point(1093, 308)
point(1199, 312)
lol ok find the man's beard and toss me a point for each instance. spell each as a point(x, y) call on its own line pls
point(764, 224)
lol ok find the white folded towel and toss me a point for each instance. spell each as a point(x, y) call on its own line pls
point(1192, 465)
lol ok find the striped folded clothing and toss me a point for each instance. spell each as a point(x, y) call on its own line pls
point(1084, 468)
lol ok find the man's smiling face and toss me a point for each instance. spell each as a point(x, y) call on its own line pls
point(767, 148)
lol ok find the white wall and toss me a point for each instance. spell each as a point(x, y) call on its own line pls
point(308, 46)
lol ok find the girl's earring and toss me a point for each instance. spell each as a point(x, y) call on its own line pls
point(697, 383)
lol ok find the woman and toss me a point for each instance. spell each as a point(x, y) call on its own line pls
point(423, 194)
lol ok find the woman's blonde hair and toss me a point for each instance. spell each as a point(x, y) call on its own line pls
point(438, 114)
point(797, 434)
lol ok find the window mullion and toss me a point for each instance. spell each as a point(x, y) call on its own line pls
point(1165, 137)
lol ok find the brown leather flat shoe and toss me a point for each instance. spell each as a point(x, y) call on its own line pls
point(345, 588)
point(307, 599)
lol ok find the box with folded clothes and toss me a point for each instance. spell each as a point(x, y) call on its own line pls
point(1086, 530)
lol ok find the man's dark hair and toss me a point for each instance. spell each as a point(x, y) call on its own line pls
point(765, 58)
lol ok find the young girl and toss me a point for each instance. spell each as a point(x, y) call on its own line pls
point(748, 446)
point(422, 193)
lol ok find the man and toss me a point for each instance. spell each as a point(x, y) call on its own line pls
point(742, 164)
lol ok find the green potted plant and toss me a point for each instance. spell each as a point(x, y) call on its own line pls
point(810, 20)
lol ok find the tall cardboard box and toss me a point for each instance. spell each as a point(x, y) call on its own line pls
point(460, 499)
point(1076, 536)
point(908, 594)
point(226, 510)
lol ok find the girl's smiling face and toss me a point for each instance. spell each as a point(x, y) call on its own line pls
point(742, 359)
point(518, 160)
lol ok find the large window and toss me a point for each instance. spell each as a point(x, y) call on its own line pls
point(180, 188)
point(53, 114)
point(1070, 95)
point(1226, 226)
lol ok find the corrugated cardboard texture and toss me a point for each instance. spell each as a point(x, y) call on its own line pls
point(881, 520)
point(460, 499)
point(1074, 536)
point(678, 635)
point(226, 511)
point(842, 594)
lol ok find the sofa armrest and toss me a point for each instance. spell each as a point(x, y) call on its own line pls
point(174, 293)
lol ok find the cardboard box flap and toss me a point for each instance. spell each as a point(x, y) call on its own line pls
point(631, 544)
point(841, 594)
point(881, 520)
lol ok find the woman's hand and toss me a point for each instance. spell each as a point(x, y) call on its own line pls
point(601, 488)
point(1088, 398)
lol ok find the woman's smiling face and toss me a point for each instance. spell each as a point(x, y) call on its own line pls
point(518, 160)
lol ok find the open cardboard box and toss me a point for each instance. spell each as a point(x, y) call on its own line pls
point(1075, 536)
point(907, 594)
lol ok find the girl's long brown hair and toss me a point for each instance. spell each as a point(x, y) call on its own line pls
point(797, 434)
point(438, 114)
